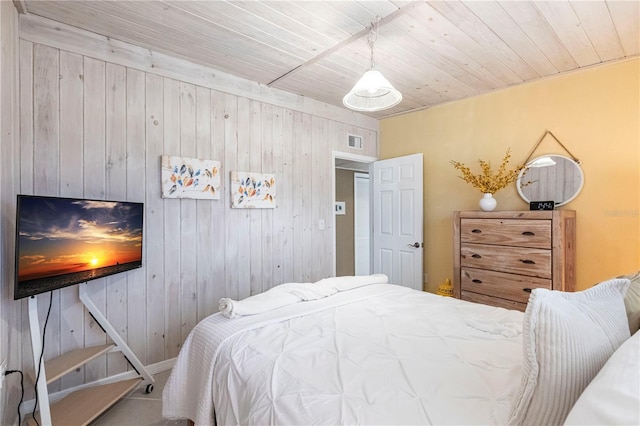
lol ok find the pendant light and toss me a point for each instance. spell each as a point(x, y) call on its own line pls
point(372, 92)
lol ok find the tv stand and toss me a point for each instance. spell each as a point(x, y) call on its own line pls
point(82, 406)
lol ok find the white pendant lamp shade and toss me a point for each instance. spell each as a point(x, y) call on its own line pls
point(372, 92)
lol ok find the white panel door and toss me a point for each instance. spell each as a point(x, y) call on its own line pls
point(362, 230)
point(397, 219)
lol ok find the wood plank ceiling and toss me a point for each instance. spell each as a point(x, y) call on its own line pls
point(432, 51)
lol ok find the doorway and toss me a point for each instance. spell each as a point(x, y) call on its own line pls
point(395, 217)
point(352, 214)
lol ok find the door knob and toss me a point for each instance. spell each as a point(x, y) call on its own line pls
point(416, 245)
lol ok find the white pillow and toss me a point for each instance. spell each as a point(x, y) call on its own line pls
point(613, 396)
point(567, 338)
point(632, 302)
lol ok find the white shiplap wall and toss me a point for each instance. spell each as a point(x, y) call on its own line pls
point(94, 122)
point(10, 328)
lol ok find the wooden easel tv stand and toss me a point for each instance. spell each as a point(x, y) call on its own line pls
point(85, 405)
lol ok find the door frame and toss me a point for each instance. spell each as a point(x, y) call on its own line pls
point(343, 156)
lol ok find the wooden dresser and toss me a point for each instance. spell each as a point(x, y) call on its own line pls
point(499, 257)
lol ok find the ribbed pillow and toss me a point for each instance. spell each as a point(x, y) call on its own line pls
point(613, 396)
point(567, 338)
point(632, 302)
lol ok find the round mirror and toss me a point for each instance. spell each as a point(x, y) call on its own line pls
point(550, 178)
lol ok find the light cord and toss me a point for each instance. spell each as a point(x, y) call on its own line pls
point(372, 37)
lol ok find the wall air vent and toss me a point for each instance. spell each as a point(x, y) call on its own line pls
point(355, 141)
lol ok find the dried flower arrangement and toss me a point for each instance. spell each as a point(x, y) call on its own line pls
point(488, 182)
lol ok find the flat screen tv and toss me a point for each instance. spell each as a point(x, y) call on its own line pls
point(66, 241)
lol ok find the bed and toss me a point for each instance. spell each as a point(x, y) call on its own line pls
point(378, 353)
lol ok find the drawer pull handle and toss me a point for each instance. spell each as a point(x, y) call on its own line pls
point(526, 290)
point(527, 261)
point(476, 231)
point(477, 281)
point(528, 233)
point(476, 256)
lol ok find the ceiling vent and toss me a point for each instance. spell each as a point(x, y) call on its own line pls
point(355, 141)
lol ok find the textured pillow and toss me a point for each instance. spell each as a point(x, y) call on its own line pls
point(613, 396)
point(567, 338)
point(632, 302)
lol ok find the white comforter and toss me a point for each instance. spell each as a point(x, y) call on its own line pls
point(379, 354)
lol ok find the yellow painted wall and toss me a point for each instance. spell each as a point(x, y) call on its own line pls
point(596, 115)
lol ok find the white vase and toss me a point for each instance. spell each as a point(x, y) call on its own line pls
point(488, 203)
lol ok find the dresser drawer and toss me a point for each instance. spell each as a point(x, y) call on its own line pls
point(497, 255)
point(500, 284)
point(507, 232)
point(515, 260)
point(493, 301)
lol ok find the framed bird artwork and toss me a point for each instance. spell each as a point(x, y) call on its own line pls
point(190, 178)
point(253, 190)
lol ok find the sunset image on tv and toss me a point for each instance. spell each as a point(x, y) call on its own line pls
point(62, 241)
